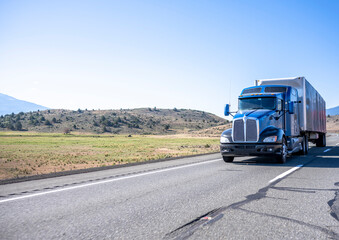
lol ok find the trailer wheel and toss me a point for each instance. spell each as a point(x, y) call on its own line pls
point(228, 159)
point(283, 154)
point(321, 141)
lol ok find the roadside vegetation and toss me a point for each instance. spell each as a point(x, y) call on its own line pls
point(31, 153)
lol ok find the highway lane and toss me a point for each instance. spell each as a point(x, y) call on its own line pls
point(199, 197)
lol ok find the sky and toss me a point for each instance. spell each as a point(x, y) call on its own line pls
point(165, 54)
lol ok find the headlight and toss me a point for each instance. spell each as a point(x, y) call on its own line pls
point(270, 139)
point(224, 139)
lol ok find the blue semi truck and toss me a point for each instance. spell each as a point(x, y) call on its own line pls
point(276, 117)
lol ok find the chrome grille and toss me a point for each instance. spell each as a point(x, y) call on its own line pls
point(238, 130)
point(251, 130)
point(247, 132)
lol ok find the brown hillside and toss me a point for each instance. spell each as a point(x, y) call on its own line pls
point(123, 121)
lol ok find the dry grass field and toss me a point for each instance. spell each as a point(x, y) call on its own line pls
point(28, 153)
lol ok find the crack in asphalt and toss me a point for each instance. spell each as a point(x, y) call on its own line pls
point(324, 230)
point(334, 204)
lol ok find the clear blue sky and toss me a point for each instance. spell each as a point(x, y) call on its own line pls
point(183, 54)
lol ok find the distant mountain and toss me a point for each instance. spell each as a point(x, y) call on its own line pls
point(333, 111)
point(10, 105)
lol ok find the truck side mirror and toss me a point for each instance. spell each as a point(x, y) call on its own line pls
point(227, 110)
point(291, 107)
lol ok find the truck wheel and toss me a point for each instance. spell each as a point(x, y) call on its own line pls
point(228, 159)
point(321, 141)
point(283, 154)
point(304, 151)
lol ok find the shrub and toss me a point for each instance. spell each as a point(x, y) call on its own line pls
point(67, 130)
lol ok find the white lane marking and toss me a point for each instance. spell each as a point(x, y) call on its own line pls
point(327, 150)
point(286, 173)
point(107, 181)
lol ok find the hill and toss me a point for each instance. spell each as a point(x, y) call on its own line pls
point(332, 124)
point(10, 105)
point(333, 111)
point(123, 121)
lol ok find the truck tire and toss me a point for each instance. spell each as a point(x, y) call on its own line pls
point(304, 150)
point(228, 159)
point(321, 141)
point(283, 154)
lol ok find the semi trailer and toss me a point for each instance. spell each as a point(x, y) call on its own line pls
point(275, 117)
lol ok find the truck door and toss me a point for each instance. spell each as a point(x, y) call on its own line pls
point(292, 120)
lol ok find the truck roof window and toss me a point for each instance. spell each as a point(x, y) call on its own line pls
point(251, 90)
point(275, 89)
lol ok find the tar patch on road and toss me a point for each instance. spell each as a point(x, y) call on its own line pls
point(188, 229)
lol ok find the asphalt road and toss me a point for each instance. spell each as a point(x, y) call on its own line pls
point(197, 198)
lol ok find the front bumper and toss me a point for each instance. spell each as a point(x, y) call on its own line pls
point(249, 149)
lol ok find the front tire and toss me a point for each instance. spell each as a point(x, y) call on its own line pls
point(283, 154)
point(228, 159)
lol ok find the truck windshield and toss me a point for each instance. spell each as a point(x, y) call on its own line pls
point(257, 103)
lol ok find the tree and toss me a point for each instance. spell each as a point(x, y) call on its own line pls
point(48, 123)
point(18, 126)
point(10, 126)
point(54, 120)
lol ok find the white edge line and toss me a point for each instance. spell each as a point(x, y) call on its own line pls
point(329, 149)
point(286, 173)
point(107, 181)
